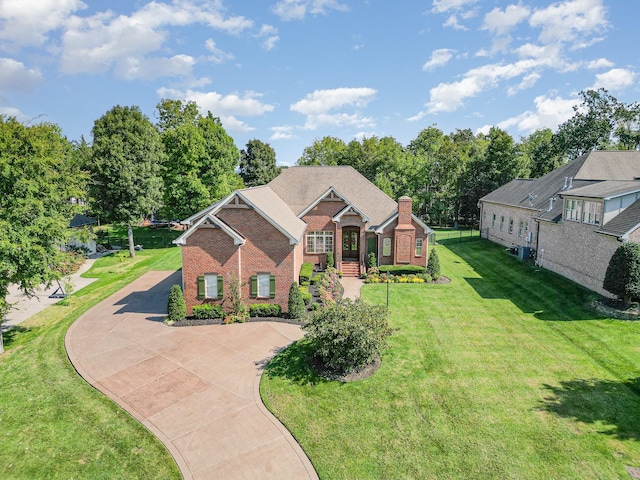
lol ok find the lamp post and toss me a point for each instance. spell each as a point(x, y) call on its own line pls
point(387, 294)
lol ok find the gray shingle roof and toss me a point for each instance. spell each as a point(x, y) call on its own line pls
point(624, 223)
point(606, 189)
point(299, 187)
point(610, 165)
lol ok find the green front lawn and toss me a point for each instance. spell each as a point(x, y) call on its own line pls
point(52, 423)
point(503, 373)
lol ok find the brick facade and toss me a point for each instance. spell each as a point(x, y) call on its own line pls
point(503, 215)
point(409, 245)
point(319, 218)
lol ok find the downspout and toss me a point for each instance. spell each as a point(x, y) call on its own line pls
point(378, 252)
point(239, 266)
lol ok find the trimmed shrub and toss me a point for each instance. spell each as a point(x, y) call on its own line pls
point(330, 261)
point(348, 335)
point(433, 265)
point(176, 308)
point(401, 269)
point(371, 261)
point(305, 272)
point(265, 310)
point(207, 311)
point(296, 303)
point(623, 273)
point(316, 278)
point(306, 295)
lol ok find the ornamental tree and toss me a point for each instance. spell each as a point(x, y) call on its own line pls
point(623, 273)
point(258, 163)
point(39, 178)
point(126, 158)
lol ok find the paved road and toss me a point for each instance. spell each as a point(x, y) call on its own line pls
point(195, 388)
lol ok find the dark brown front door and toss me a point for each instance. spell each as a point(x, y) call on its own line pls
point(350, 237)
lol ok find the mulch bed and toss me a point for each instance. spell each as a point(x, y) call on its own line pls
point(194, 322)
point(364, 372)
point(615, 309)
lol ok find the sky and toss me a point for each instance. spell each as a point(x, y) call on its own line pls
point(288, 72)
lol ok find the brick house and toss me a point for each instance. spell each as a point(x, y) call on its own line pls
point(262, 235)
point(574, 217)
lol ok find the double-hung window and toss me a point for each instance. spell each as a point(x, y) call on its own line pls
point(320, 241)
point(510, 225)
point(386, 247)
point(590, 213)
point(419, 246)
point(263, 285)
point(520, 228)
point(573, 210)
point(210, 285)
point(501, 222)
point(493, 221)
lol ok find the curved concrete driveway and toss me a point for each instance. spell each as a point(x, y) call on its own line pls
point(195, 388)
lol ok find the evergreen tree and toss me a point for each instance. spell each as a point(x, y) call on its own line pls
point(258, 163)
point(433, 265)
point(295, 305)
point(623, 273)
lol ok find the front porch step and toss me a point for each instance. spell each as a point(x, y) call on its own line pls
point(350, 269)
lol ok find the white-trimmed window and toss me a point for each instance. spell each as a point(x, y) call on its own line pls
point(210, 285)
point(263, 285)
point(320, 241)
point(419, 245)
point(386, 247)
point(573, 210)
point(521, 228)
point(493, 221)
point(591, 213)
point(510, 225)
point(501, 222)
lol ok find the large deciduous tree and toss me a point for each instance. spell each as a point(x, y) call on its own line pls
point(38, 179)
point(126, 159)
point(324, 151)
point(258, 163)
point(201, 158)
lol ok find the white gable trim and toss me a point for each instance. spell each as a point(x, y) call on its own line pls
point(381, 228)
point(322, 197)
point(346, 209)
point(237, 238)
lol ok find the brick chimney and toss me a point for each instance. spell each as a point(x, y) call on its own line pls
point(404, 233)
point(404, 210)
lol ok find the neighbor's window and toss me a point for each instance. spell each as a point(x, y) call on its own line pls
point(573, 210)
point(520, 228)
point(510, 225)
point(419, 247)
point(501, 222)
point(493, 220)
point(386, 247)
point(211, 285)
point(319, 241)
point(590, 213)
point(263, 284)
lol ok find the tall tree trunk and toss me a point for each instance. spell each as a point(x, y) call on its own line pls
point(132, 250)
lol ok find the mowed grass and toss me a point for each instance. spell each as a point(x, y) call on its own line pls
point(505, 373)
point(52, 423)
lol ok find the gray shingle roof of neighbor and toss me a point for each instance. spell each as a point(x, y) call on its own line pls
point(80, 220)
point(624, 223)
point(605, 189)
point(598, 171)
point(299, 187)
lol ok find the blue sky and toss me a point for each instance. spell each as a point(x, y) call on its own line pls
point(289, 71)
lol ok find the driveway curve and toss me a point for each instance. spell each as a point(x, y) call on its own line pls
point(195, 388)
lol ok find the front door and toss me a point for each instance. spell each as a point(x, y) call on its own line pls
point(350, 240)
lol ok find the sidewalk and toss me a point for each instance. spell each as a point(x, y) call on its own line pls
point(351, 287)
point(24, 307)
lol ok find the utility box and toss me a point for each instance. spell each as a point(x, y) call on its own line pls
point(524, 253)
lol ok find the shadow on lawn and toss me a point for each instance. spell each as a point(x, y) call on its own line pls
point(294, 364)
point(615, 404)
point(533, 290)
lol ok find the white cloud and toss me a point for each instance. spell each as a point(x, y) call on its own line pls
point(317, 105)
point(571, 21)
point(442, 6)
point(284, 132)
point(615, 79)
point(227, 107)
point(322, 101)
point(269, 36)
point(151, 68)
point(453, 22)
point(500, 22)
point(527, 82)
point(27, 22)
point(549, 112)
point(298, 9)
point(217, 55)
point(14, 112)
point(99, 42)
point(599, 63)
point(438, 58)
point(16, 76)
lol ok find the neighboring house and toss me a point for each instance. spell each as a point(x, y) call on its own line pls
point(262, 235)
point(574, 217)
point(83, 222)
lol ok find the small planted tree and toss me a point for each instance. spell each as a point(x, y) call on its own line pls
point(176, 308)
point(433, 266)
point(296, 302)
point(330, 261)
point(348, 335)
point(623, 273)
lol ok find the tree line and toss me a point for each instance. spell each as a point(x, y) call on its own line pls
point(185, 161)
